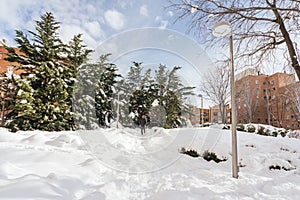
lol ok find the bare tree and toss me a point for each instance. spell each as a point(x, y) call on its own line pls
point(262, 28)
point(292, 101)
point(216, 87)
point(249, 96)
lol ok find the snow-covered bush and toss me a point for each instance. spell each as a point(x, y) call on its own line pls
point(191, 152)
point(250, 128)
point(294, 134)
point(212, 156)
point(240, 127)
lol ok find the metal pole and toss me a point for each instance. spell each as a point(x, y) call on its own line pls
point(202, 120)
point(233, 113)
point(118, 108)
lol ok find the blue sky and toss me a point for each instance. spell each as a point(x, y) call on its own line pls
point(101, 20)
point(95, 19)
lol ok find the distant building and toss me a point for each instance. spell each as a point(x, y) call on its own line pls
point(215, 114)
point(268, 99)
point(6, 66)
point(195, 115)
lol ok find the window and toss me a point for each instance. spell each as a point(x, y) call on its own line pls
point(1, 55)
point(256, 82)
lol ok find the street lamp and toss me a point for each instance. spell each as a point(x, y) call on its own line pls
point(201, 109)
point(221, 29)
point(118, 107)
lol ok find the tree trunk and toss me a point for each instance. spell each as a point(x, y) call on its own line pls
point(288, 41)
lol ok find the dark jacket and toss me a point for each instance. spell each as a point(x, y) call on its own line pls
point(142, 122)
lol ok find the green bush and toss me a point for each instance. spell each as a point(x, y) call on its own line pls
point(251, 128)
point(212, 156)
point(274, 133)
point(261, 130)
point(283, 133)
point(190, 152)
point(240, 127)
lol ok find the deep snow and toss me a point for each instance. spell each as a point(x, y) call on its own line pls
point(120, 164)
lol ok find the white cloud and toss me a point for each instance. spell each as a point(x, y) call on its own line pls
point(144, 10)
point(170, 14)
point(114, 19)
point(94, 29)
point(162, 23)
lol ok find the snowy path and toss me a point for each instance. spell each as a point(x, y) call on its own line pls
point(117, 165)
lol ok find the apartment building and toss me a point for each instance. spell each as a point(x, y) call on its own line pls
point(6, 66)
point(215, 115)
point(268, 99)
point(195, 116)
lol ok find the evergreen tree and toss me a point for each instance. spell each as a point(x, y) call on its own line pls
point(141, 102)
point(77, 54)
point(171, 96)
point(104, 92)
point(94, 94)
point(43, 99)
point(136, 80)
point(7, 95)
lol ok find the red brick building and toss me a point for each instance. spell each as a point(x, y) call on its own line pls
point(195, 115)
point(268, 99)
point(6, 66)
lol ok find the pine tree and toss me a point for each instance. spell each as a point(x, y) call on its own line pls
point(104, 92)
point(171, 96)
point(136, 80)
point(94, 94)
point(141, 102)
point(43, 99)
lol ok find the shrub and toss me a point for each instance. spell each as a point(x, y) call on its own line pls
point(283, 133)
point(277, 167)
point(240, 127)
point(250, 128)
point(261, 130)
point(190, 152)
point(212, 156)
point(226, 127)
point(274, 167)
point(294, 134)
point(274, 133)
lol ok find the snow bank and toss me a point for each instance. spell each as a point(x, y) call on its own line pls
point(69, 165)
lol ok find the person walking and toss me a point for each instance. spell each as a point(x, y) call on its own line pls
point(143, 123)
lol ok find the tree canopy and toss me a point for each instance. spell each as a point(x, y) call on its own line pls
point(262, 29)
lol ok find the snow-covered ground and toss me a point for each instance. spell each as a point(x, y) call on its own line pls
point(120, 164)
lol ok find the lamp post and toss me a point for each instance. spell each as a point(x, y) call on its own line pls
point(118, 108)
point(221, 29)
point(201, 109)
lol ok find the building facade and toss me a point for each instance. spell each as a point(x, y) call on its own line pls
point(6, 66)
point(195, 116)
point(268, 99)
